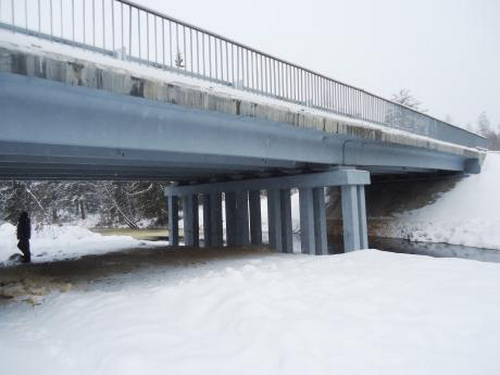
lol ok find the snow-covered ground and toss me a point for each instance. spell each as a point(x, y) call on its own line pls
point(367, 312)
point(469, 214)
point(65, 242)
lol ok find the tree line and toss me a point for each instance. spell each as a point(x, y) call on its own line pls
point(482, 125)
point(108, 203)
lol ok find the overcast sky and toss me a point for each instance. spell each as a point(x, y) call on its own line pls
point(447, 52)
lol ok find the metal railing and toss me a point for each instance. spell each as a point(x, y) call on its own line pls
point(128, 31)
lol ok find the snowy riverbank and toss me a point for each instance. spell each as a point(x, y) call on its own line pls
point(468, 215)
point(54, 242)
point(367, 312)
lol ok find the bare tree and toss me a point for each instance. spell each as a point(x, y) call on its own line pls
point(179, 60)
point(405, 98)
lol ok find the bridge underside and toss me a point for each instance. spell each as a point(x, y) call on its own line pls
point(51, 130)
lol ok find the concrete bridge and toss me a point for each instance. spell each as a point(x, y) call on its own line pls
point(119, 91)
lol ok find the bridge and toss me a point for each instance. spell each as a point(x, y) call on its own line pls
point(109, 89)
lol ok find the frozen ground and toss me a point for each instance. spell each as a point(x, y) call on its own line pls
point(257, 312)
point(468, 215)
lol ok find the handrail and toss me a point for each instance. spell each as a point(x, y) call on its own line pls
point(126, 30)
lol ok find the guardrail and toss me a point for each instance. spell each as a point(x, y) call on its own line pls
point(129, 31)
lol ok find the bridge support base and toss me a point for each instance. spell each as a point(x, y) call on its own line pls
point(244, 218)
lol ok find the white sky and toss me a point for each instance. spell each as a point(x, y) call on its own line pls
point(447, 52)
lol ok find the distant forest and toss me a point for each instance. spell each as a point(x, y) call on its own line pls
point(95, 203)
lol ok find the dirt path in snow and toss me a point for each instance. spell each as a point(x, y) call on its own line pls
point(28, 282)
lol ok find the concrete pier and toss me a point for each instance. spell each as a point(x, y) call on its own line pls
point(173, 220)
point(243, 213)
point(191, 220)
point(255, 217)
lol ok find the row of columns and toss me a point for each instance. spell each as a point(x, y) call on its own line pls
point(244, 219)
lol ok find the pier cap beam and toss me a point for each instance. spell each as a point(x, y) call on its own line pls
point(336, 177)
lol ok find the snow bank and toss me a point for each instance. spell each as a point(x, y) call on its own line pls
point(64, 242)
point(467, 215)
point(366, 312)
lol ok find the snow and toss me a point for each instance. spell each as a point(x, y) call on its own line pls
point(468, 215)
point(367, 312)
point(52, 242)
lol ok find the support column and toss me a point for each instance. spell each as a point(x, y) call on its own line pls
point(307, 239)
point(173, 220)
point(286, 221)
point(231, 219)
point(216, 219)
point(321, 244)
point(274, 220)
point(350, 217)
point(207, 222)
point(191, 222)
point(243, 234)
point(196, 222)
point(363, 226)
point(255, 217)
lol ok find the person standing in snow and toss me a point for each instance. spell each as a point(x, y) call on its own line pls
point(24, 235)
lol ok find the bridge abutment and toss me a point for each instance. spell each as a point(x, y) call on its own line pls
point(243, 216)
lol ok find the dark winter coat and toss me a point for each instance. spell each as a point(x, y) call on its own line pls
point(24, 227)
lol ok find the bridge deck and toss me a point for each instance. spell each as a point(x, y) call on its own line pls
point(64, 115)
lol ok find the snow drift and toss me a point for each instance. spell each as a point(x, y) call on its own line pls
point(366, 312)
point(467, 215)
